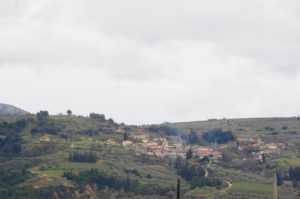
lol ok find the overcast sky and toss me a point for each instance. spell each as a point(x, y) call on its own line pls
point(152, 61)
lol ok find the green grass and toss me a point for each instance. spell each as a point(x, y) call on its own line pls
point(286, 162)
point(54, 173)
point(76, 167)
point(252, 187)
point(102, 165)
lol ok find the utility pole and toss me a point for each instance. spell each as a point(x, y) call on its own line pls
point(178, 188)
point(274, 181)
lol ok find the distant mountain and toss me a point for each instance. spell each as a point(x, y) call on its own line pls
point(6, 109)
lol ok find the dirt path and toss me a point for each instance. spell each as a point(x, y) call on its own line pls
point(206, 173)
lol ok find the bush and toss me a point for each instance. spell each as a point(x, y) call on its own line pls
point(202, 182)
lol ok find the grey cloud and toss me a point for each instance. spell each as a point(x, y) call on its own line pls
point(46, 47)
point(263, 31)
point(185, 55)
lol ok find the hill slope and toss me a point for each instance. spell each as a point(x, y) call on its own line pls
point(6, 109)
point(53, 156)
point(247, 127)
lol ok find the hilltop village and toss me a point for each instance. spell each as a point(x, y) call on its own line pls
point(143, 141)
point(153, 144)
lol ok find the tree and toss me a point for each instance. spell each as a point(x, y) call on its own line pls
point(42, 116)
point(204, 160)
point(164, 129)
point(77, 156)
point(188, 171)
point(263, 158)
point(294, 174)
point(295, 184)
point(279, 178)
point(127, 184)
point(99, 117)
point(125, 136)
point(192, 137)
point(189, 154)
point(178, 162)
point(218, 136)
point(69, 112)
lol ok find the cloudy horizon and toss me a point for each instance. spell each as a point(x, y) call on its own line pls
point(151, 61)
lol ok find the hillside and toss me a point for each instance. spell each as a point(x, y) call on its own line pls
point(68, 156)
point(246, 127)
point(6, 109)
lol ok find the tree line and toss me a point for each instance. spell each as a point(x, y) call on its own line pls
point(212, 136)
point(77, 156)
point(164, 129)
point(218, 136)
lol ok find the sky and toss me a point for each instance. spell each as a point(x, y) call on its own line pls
point(142, 62)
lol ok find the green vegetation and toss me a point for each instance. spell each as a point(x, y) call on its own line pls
point(218, 136)
point(98, 117)
point(194, 173)
point(69, 112)
point(11, 141)
point(189, 154)
point(208, 182)
point(77, 161)
point(103, 180)
point(193, 138)
point(164, 129)
point(77, 156)
point(252, 187)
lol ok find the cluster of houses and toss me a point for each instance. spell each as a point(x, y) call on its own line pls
point(145, 142)
point(155, 144)
point(257, 146)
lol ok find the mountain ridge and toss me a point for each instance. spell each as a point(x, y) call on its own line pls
point(7, 109)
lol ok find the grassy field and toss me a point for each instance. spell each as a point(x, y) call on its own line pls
point(244, 127)
point(236, 175)
point(252, 187)
point(58, 170)
point(284, 163)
